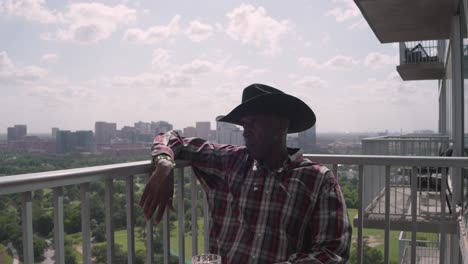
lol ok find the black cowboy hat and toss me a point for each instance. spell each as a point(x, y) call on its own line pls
point(263, 99)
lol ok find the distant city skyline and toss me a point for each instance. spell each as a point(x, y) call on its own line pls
point(68, 64)
point(192, 126)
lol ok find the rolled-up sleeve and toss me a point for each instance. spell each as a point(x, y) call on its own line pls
point(209, 160)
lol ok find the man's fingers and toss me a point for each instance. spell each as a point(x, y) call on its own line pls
point(151, 206)
point(148, 188)
point(158, 190)
point(160, 213)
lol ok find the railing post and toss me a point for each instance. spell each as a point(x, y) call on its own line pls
point(181, 214)
point(194, 201)
point(149, 239)
point(26, 217)
point(166, 238)
point(59, 238)
point(360, 215)
point(443, 233)
point(414, 207)
point(85, 223)
point(387, 215)
point(206, 225)
point(109, 227)
point(402, 53)
point(130, 220)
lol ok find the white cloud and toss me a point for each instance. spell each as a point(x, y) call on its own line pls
point(390, 90)
point(175, 80)
point(92, 22)
point(150, 80)
point(61, 94)
point(161, 57)
point(10, 73)
point(360, 24)
point(308, 62)
point(198, 31)
point(237, 69)
point(311, 82)
point(153, 34)
point(324, 38)
point(377, 60)
point(256, 72)
point(347, 10)
point(338, 62)
point(342, 14)
point(200, 67)
point(5, 61)
point(252, 25)
point(50, 57)
point(33, 10)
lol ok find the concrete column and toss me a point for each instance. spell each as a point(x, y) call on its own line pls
point(442, 107)
point(456, 42)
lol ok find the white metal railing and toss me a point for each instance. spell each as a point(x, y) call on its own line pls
point(26, 183)
point(424, 51)
point(428, 178)
point(406, 145)
point(427, 246)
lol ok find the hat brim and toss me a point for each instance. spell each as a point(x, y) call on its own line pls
point(299, 114)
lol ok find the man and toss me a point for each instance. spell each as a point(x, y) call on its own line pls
point(267, 203)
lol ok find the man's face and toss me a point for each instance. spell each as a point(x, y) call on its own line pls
point(262, 133)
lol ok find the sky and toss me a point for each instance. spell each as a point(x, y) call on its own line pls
point(68, 64)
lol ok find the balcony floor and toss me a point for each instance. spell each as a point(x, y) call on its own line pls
point(428, 211)
point(424, 255)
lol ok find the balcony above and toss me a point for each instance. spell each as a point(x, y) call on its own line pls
point(422, 60)
point(403, 20)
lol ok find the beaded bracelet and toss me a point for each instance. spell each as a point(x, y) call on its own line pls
point(165, 157)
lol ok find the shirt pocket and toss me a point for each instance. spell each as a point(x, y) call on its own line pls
point(289, 210)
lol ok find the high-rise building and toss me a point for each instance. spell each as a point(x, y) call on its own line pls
point(237, 137)
point(128, 133)
point(160, 127)
point(307, 140)
point(190, 132)
point(227, 133)
point(143, 127)
point(54, 132)
point(104, 132)
point(203, 129)
point(17, 132)
point(84, 140)
point(11, 133)
point(65, 141)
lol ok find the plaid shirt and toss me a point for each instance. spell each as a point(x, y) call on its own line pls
point(296, 213)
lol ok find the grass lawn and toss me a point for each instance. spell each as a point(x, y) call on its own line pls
point(378, 236)
point(120, 238)
point(188, 241)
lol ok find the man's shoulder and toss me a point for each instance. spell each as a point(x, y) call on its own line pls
point(307, 165)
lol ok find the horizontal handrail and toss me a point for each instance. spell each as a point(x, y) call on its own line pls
point(50, 179)
point(419, 161)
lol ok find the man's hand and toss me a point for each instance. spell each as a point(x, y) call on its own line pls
point(159, 191)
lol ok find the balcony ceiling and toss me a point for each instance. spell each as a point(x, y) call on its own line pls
point(408, 20)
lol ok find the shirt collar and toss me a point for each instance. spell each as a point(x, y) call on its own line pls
point(294, 159)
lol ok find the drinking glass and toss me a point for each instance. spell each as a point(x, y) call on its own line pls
point(206, 259)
